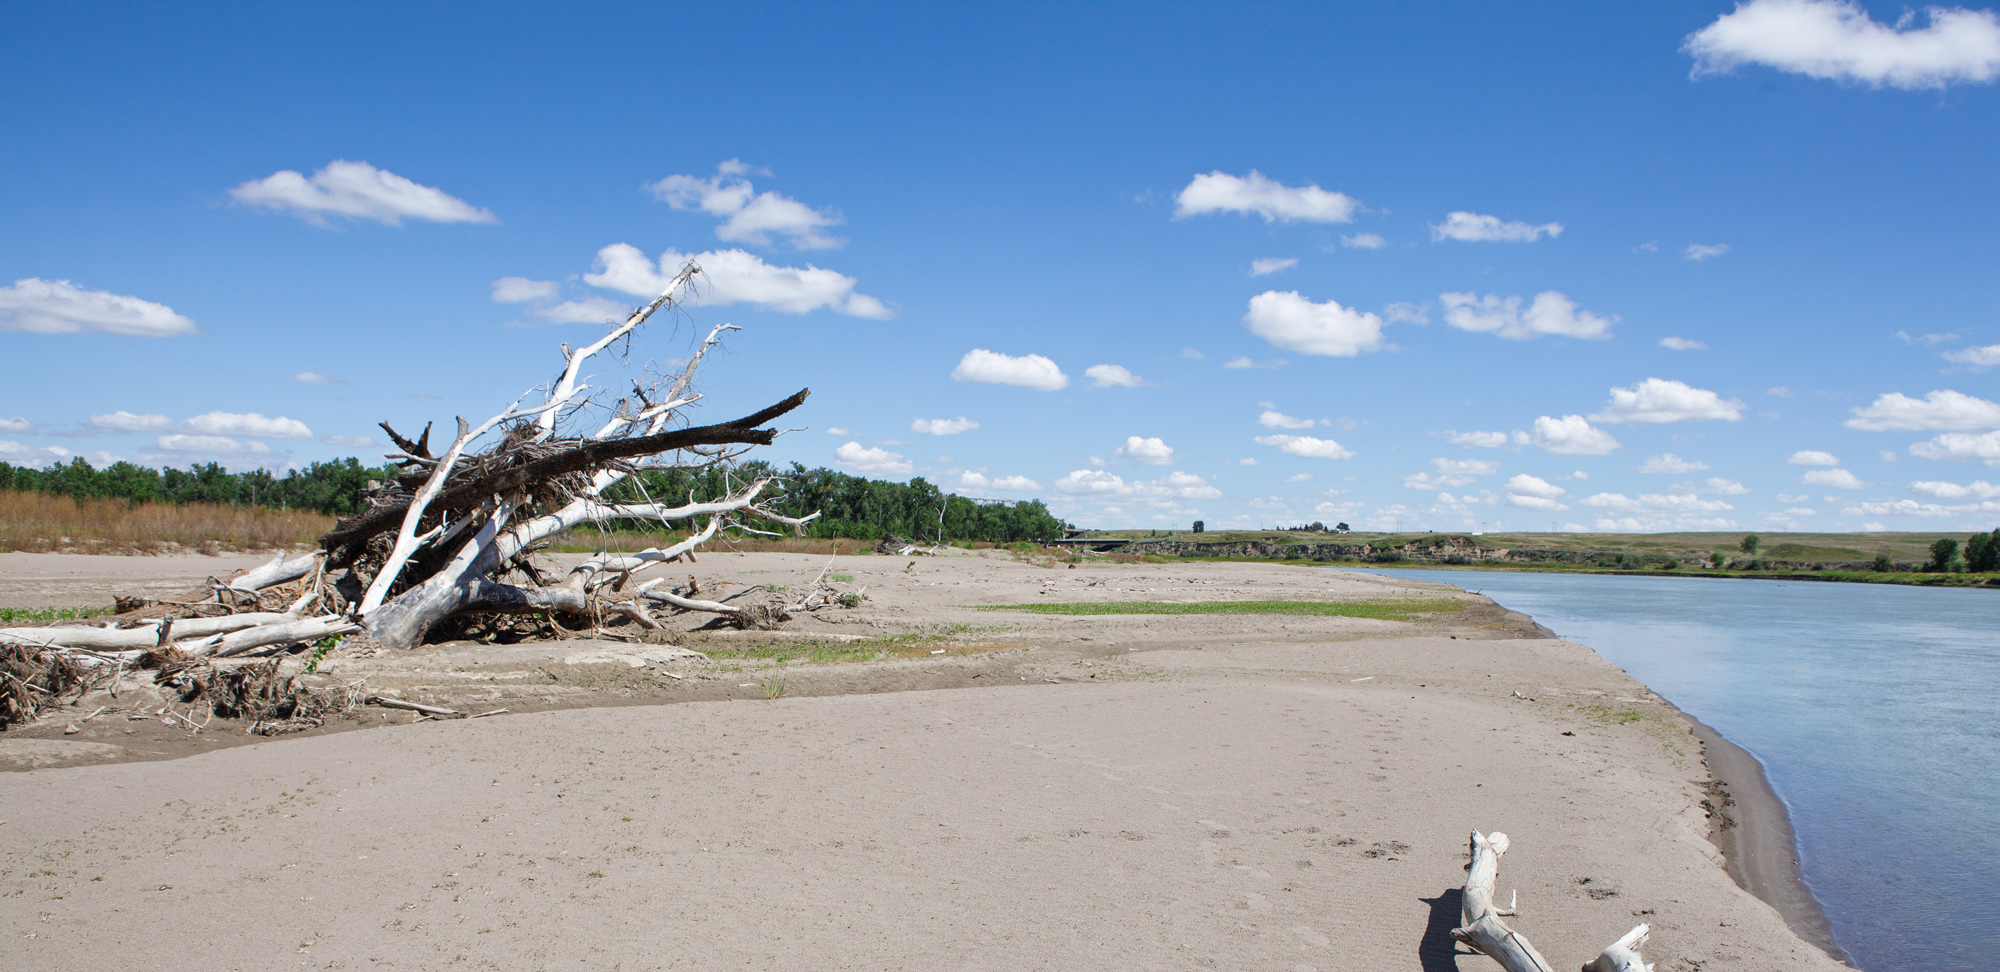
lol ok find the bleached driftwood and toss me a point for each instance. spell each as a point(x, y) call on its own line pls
point(1483, 930)
point(392, 702)
point(1623, 954)
point(492, 487)
point(278, 571)
point(146, 635)
point(302, 629)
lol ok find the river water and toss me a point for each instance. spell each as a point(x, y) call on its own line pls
point(1875, 710)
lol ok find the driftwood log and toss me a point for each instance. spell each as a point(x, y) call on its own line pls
point(1482, 929)
point(449, 532)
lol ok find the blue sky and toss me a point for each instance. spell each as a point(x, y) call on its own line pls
point(246, 233)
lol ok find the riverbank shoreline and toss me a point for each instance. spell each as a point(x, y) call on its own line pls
point(1753, 829)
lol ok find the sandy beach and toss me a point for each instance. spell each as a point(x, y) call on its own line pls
point(1022, 791)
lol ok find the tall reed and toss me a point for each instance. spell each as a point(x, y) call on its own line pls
point(39, 522)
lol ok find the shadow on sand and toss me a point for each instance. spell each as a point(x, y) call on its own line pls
point(1438, 951)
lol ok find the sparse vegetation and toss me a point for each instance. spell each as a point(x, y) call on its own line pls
point(1386, 610)
point(46, 615)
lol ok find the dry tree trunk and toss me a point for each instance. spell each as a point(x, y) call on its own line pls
point(531, 486)
point(1483, 930)
point(455, 522)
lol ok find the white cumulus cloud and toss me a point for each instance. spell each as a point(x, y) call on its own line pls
point(1899, 507)
point(1699, 252)
point(23, 455)
point(1306, 446)
point(1552, 314)
point(994, 368)
point(1466, 467)
point(1837, 40)
point(359, 191)
point(951, 426)
point(16, 425)
point(735, 277)
point(969, 480)
point(1658, 401)
point(1427, 481)
point(748, 216)
point(1099, 486)
point(1670, 464)
point(1220, 192)
point(1147, 450)
point(1723, 487)
point(1946, 409)
point(1111, 376)
point(871, 460)
point(1941, 490)
point(1976, 358)
point(1477, 440)
point(1832, 479)
point(1656, 503)
point(588, 310)
point(37, 306)
point(247, 424)
point(214, 445)
point(1363, 241)
point(1682, 344)
point(1294, 323)
point(1535, 493)
point(1093, 482)
point(315, 378)
point(1812, 457)
point(1477, 228)
point(1241, 362)
point(1571, 435)
point(1265, 266)
point(1189, 486)
point(1961, 447)
point(1274, 419)
point(520, 290)
point(124, 421)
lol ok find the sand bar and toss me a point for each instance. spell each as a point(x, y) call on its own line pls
point(1147, 792)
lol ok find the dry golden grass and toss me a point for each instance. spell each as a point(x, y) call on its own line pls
point(41, 522)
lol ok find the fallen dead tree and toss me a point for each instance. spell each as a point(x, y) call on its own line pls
point(453, 537)
point(1483, 930)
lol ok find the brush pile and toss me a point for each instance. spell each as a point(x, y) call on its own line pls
point(446, 548)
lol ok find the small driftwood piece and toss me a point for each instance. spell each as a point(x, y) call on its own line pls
point(392, 702)
point(278, 571)
point(1623, 954)
point(1483, 930)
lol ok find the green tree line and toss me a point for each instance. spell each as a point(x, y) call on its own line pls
point(324, 487)
point(853, 506)
point(849, 506)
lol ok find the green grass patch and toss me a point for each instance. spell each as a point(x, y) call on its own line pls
point(835, 652)
point(1383, 610)
point(46, 615)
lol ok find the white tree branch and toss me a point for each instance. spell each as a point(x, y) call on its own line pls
point(566, 385)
